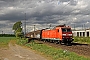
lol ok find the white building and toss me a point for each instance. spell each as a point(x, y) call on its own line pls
point(81, 33)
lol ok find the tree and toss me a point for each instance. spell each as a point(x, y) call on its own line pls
point(17, 27)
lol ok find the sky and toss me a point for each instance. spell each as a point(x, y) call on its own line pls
point(43, 13)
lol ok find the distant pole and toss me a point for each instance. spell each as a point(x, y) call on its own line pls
point(49, 26)
point(34, 27)
point(2, 32)
point(25, 25)
point(74, 26)
point(34, 31)
point(84, 27)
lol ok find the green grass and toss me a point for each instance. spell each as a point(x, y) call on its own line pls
point(5, 40)
point(21, 41)
point(53, 53)
point(82, 39)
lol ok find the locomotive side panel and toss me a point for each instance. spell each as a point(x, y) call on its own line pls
point(60, 34)
point(45, 34)
point(51, 34)
point(54, 34)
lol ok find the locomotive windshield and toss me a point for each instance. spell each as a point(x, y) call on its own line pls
point(66, 30)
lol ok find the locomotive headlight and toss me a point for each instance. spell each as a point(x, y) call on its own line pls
point(69, 34)
point(63, 34)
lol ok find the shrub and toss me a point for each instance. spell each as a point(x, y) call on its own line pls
point(19, 34)
point(82, 39)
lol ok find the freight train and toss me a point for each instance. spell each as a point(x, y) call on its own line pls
point(60, 34)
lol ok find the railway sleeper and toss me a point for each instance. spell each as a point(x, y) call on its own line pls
point(68, 44)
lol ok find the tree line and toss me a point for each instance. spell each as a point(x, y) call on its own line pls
point(7, 35)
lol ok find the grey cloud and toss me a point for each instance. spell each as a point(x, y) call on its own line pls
point(13, 16)
point(44, 12)
point(73, 2)
point(64, 0)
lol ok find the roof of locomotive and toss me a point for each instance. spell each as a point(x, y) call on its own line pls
point(58, 27)
point(61, 26)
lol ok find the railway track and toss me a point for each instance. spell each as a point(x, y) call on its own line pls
point(81, 49)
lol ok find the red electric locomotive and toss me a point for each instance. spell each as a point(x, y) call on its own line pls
point(60, 34)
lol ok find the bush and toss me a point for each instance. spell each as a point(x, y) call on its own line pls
point(22, 41)
point(19, 34)
point(82, 39)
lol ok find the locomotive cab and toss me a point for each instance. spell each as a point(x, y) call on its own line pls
point(67, 36)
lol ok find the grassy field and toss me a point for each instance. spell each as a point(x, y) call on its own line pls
point(82, 39)
point(53, 53)
point(5, 40)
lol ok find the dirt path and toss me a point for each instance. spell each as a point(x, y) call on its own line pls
point(16, 52)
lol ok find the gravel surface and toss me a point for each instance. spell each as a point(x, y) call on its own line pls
point(16, 52)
